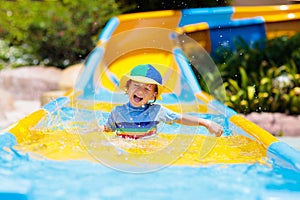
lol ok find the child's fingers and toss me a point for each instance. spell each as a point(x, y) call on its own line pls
point(216, 129)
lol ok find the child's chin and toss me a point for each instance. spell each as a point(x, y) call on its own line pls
point(136, 104)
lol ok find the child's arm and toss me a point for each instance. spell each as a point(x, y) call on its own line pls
point(103, 128)
point(211, 126)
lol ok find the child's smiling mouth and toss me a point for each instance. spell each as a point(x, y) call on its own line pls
point(137, 99)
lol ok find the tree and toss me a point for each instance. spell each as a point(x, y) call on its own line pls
point(59, 32)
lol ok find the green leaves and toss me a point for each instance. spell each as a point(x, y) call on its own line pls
point(14, 56)
point(263, 79)
point(59, 32)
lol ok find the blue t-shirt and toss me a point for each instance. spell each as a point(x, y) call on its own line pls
point(136, 122)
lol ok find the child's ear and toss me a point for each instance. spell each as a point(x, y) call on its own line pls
point(154, 95)
point(127, 85)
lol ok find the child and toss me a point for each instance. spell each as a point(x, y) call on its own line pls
point(139, 117)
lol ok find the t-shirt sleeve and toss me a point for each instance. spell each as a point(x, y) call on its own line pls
point(168, 116)
point(110, 123)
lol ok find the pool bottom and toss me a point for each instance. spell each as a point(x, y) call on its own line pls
point(163, 150)
point(47, 179)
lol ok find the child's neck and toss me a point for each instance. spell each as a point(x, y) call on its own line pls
point(142, 107)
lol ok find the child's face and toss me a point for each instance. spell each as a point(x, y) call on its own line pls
point(140, 93)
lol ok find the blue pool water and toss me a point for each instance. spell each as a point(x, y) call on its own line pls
point(23, 176)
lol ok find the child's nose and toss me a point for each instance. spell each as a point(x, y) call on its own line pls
point(140, 90)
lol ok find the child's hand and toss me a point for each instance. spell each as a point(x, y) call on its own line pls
point(215, 128)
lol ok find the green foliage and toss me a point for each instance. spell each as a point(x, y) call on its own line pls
point(264, 77)
point(14, 56)
point(59, 32)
